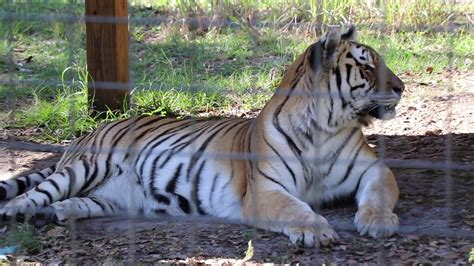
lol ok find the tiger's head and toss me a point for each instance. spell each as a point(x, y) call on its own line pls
point(348, 81)
point(366, 86)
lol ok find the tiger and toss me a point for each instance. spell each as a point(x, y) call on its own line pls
point(305, 148)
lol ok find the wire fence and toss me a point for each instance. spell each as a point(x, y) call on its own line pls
point(72, 21)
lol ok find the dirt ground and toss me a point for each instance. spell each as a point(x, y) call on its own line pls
point(436, 207)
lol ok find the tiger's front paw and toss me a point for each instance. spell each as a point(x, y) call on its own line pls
point(375, 222)
point(15, 207)
point(8, 213)
point(48, 215)
point(313, 234)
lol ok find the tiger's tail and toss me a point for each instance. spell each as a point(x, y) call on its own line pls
point(21, 183)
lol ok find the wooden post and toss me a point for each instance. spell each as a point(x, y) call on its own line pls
point(107, 54)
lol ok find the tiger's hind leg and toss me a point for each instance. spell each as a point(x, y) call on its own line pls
point(60, 212)
point(66, 183)
point(19, 184)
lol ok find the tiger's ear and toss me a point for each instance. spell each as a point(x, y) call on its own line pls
point(324, 53)
point(350, 34)
point(331, 40)
point(328, 49)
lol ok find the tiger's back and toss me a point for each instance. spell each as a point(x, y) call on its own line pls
point(175, 166)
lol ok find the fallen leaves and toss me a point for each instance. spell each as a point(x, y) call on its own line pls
point(429, 70)
point(435, 132)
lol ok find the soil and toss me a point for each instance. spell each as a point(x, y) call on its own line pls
point(435, 125)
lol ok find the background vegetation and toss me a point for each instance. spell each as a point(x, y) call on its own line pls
point(207, 57)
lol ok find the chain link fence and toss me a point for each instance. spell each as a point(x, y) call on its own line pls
point(445, 169)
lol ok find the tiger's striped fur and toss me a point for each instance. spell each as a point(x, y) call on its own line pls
point(305, 148)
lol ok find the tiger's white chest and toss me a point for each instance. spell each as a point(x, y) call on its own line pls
point(333, 168)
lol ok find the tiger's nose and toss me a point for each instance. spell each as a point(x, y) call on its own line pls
point(398, 89)
point(396, 84)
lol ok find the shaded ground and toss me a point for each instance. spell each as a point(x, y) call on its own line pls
point(437, 225)
point(436, 207)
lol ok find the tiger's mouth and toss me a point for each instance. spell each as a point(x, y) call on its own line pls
point(383, 112)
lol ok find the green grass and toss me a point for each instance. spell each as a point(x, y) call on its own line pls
point(23, 236)
point(63, 115)
point(471, 256)
point(177, 71)
point(415, 52)
point(392, 13)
